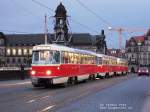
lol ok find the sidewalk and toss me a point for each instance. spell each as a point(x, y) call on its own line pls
point(15, 82)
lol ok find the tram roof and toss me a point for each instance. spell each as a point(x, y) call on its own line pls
point(61, 48)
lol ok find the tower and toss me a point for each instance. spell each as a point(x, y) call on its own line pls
point(61, 28)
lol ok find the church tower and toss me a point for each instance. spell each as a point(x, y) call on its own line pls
point(60, 27)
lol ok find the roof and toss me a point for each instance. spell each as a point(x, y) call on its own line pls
point(117, 53)
point(34, 39)
point(2, 35)
point(14, 39)
point(81, 39)
point(61, 48)
point(148, 33)
point(139, 38)
point(69, 49)
point(135, 39)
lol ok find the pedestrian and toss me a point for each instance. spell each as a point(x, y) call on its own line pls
point(22, 72)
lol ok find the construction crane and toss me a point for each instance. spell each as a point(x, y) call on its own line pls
point(120, 31)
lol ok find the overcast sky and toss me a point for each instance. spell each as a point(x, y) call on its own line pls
point(25, 16)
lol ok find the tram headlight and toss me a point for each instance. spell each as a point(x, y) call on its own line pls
point(147, 71)
point(48, 72)
point(33, 72)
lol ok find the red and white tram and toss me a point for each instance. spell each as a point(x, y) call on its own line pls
point(55, 64)
point(109, 66)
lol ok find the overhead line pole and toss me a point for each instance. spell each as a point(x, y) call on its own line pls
point(46, 30)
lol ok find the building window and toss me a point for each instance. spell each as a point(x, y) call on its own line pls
point(25, 51)
point(24, 60)
point(30, 51)
point(1, 41)
point(13, 60)
point(19, 52)
point(19, 60)
point(8, 51)
point(132, 56)
point(8, 60)
point(14, 52)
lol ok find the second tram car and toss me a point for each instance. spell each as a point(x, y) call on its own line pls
point(109, 66)
point(57, 64)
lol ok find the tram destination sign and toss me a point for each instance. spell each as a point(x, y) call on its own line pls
point(42, 48)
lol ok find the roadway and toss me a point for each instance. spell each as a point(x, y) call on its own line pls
point(124, 93)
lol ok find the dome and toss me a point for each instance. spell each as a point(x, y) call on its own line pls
point(2, 35)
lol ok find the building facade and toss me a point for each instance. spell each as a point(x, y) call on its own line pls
point(16, 49)
point(138, 51)
point(117, 52)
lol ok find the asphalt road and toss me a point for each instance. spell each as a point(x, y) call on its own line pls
point(125, 93)
point(132, 95)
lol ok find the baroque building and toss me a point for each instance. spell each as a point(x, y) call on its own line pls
point(116, 53)
point(138, 51)
point(16, 49)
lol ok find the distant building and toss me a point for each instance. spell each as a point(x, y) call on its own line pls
point(17, 48)
point(138, 51)
point(116, 52)
point(2, 47)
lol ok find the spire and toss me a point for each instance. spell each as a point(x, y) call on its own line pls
point(60, 11)
point(61, 26)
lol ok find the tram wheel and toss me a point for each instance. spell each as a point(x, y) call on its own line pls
point(72, 80)
point(75, 80)
point(65, 84)
point(36, 85)
point(93, 77)
point(107, 75)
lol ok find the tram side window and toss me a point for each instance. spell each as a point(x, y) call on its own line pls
point(89, 60)
point(93, 60)
point(62, 57)
point(75, 58)
point(72, 58)
point(56, 56)
point(65, 57)
point(78, 58)
point(82, 59)
point(106, 62)
point(99, 60)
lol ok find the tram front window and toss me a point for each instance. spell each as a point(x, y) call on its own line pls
point(46, 57)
